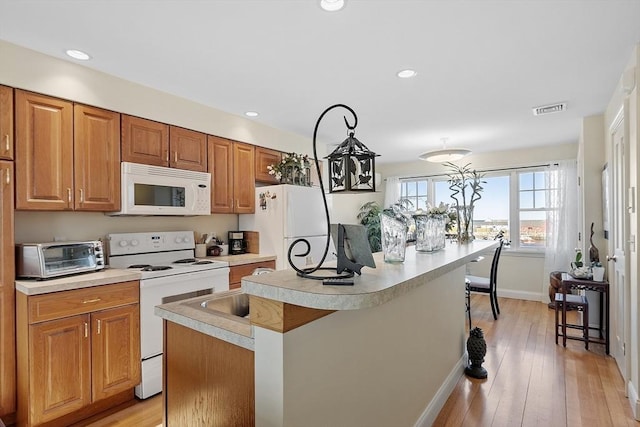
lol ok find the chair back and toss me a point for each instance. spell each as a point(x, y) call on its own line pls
point(493, 278)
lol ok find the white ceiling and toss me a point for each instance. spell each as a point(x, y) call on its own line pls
point(482, 65)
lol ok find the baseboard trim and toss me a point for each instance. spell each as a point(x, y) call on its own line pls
point(524, 295)
point(432, 410)
point(633, 400)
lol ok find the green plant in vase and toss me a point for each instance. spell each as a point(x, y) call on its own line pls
point(466, 187)
point(369, 216)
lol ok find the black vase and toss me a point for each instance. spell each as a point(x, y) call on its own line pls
point(476, 349)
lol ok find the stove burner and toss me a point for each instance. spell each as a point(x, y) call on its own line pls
point(156, 268)
point(139, 266)
point(185, 261)
point(203, 261)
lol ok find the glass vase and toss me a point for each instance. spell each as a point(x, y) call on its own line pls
point(394, 238)
point(430, 232)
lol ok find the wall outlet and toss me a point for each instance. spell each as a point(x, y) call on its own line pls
point(308, 260)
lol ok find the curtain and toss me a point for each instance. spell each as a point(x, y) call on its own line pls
point(562, 223)
point(391, 191)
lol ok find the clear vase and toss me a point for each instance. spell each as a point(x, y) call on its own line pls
point(430, 232)
point(394, 238)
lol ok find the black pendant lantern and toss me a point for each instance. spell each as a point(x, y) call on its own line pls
point(352, 166)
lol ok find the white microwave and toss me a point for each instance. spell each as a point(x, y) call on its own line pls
point(156, 190)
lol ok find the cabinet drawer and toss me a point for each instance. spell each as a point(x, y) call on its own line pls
point(237, 272)
point(78, 301)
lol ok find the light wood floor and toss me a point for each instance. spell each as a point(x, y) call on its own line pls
point(532, 381)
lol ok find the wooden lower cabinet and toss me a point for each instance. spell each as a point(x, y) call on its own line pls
point(237, 272)
point(207, 381)
point(81, 363)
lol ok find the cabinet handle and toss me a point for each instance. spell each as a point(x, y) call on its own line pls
point(175, 157)
point(88, 301)
point(6, 141)
point(166, 156)
point(69, 195)
point(81, 195)
point(99, 326)
point(7, 177)
point(86, 329)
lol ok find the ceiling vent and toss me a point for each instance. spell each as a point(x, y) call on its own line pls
point(548, 109)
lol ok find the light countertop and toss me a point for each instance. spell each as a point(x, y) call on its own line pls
point(243, 259)
point(78, 281)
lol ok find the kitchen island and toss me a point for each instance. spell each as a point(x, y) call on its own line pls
point(386, 351)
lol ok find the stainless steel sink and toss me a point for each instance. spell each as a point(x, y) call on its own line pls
point(234, 305)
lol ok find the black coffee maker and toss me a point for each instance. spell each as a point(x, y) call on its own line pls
point(237, 243)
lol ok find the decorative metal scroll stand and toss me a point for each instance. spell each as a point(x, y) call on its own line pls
point(345, 267)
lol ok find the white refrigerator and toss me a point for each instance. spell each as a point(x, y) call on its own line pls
point(295, 212)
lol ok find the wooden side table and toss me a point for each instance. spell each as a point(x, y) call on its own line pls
point(569, 283)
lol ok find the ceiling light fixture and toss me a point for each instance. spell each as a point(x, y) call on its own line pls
point(445, 154)
point(407, 74)
point(78, 54)
point(332, 5)
point(251, 114)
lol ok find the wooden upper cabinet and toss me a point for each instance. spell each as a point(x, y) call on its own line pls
point(244, 178)
point(188, 149)
point(264, 158)
point(145, 141)
point(97, 159)
point(232, 170)
point(44, 152)
point(6, 123)
point(221, 168)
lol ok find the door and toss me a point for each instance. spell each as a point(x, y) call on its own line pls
point(60, 367)
point(44, 152)
point(188, 149)
point(7, 293)
point(266, 157)
point(221, 169)
point(145, 141)
point(6, 123)
point(115, 350)
point(244, 178)
point(96, 159)
point(618, 278)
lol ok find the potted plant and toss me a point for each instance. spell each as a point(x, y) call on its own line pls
point(369, 216)
point(466, 187)
point(294, 169)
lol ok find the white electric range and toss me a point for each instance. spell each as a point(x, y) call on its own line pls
point(169, 273)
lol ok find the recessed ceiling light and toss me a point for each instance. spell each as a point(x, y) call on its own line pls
point(332, 5)
point(78, 54)
point(407, 74)
point(251, 114)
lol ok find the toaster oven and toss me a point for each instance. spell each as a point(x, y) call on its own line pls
point(48, 260)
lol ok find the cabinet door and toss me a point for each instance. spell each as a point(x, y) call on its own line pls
point(7, 298)
point(145, 141)
point(264, 158)
point(244, 179)
point(44, 152)
point(115, 350)
point(60, 367)
point(188, 149)
point(96, 158)
point(221, 169)
point(6, 122)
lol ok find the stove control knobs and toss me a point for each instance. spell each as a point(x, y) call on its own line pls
point(134, 242)
point(181, 239)
point(123, 243)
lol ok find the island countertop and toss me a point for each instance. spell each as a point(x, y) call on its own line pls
point(374, 287)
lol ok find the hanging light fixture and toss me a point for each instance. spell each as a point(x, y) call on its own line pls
point(352, 165)
point(445, 154)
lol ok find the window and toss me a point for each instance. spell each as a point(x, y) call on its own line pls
point(514, 201)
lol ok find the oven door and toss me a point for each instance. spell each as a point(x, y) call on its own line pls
point(160, 290)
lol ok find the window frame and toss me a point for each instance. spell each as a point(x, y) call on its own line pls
point(513, 197)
